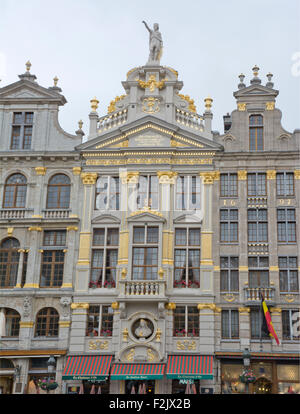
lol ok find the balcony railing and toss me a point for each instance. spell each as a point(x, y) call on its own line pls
point(112, 120)
point(253, 294)
point(143, 288)
point(15, 213)
point(189, 119)
point(56, 213)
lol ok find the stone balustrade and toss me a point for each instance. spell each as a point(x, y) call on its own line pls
point(56, 213)
point(189, 119)
point(253, 294)
point(15, 213)
point(112, 120)
point(144, 288)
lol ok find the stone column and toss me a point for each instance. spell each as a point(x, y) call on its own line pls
point(93, 118)
point(244, 319)
point(276, 321)
point(83, 264)
point(206, 263)
point(167, 179)
point(33, 268)
point(26, 333)
point(69, 258)
point(74, 205)
point(170, 307)
point(20, 268)
point(243, 236)
point(78, 327)
point(207, 312)
point(38, 198)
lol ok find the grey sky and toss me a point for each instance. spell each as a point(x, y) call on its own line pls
point(90, 45)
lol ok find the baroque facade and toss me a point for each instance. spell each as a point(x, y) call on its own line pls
point(136, 257)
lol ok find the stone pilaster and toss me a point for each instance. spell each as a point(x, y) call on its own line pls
point(244, 319)
point(78, 327)
point(34, 258)
point(69, 258)
point(41, 185)
point(26, 334)
point(20, 268)
point(207, 314)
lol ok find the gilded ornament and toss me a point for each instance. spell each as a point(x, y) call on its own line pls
point(80, 306)
point(123, 273)
point(275, 310)
point(74, 228)
point(152, 83)
point(130, 71)
point(94, 104)
point(150, 105)
point(88, 178)
point(76, 170)
point(150, 355)
point(208, 103)
point(112, 105)
point(10, 231)
point(241, 106)
point(130, 354)
point(146, 209)
point(297, 174)
point(131, 177)
point(28, 65)
point(161, 273)
point(158, 335)
point(270, 106)
point(229, 297)
point(167, 177)
point(40, 170)
point(170, 306)
point(191, 102)
point(115, 305)
point(55, 79)
point(35, 228)
point(244, 310)
point(125, 334)
point(289, 298)
point(242, 174)
point(271, 174)
point(173, 71)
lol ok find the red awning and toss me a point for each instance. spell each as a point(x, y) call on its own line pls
point(89, 367)
point(190, 366)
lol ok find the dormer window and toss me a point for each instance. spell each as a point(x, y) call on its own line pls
point(21, 130)
point(256, 142)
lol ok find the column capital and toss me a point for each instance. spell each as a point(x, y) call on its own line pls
point(28, 324)
point(88, 178)
point(271, 174)
point(210, 176)
point(131, 177)
point(80, 305)
point(242, 174)
point(40, 170)
point(76, 170)
point(275, 310)
point(167, 177)
point(170, 306)
point(35, 228)
point(244, 310)
point(297, 174)
point(75, 228)
point(211, 306)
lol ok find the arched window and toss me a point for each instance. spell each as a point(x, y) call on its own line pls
point(256, 129)
point(47, 322)
point(9, 262)
point(9, 323)
point(58, 191)
point(15, 191)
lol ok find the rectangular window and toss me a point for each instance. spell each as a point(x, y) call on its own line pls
point(22, 130)
point(148, 192)
point(230, 324)
point(285, 184)
point(257, 225)
point(188, 192)
point(145, 253)
point(257, 184)
point(100, 321)
point(229, 274)
point(288, 274)
point(186, 321)
point(187, 258)
point(290, 324)
point(53, 258)
point(256, 133)
point(286, 225)
point(104, 259)
point(228, 185)
point(229, 225)
point(259, 328)
point(107, 193)
point(258, 271)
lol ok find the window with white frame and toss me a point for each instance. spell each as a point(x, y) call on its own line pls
point(104, 258)
point(290, 324)
point(187, 258)
point(145, 252)
point(107, 193)
point(147, 192)
point(100, 321)
point(21, 130)
point(188, 191)
point(229, 274)
point(230, 324)
point(285, 184)
point(288, 274)
point(286, 225)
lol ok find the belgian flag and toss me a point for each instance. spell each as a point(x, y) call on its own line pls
point(268, 319)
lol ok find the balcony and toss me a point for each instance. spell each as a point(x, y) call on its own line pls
point(253, 294)
point(15, 213)
point(56, 213)
point(142, 289)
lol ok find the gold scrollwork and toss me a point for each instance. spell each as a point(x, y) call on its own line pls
point(112, 105)
point(167, 177)
point(98, 345)
point(270, 106)
point(241, 106)
point(152, 83)
point(191, 102)
point(186, 345)
point(88, 178)
point(150, 105)
point(130, 355)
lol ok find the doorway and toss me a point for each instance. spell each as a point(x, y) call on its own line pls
point(262, 386)
point(140, 387)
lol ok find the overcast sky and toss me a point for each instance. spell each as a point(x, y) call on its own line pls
point(90, 45)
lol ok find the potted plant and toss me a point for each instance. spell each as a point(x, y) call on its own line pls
point(47, 384)
point(180, 283)
point(106, 332)
point(193, 284)
point(95, 284)
point(109, 284)
point(180, 332)
point(247, 376)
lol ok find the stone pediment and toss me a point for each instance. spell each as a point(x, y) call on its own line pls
point(29, 91)
point(255, 90)
point(149, 135)
point(149, 215)
point(193, 217)
point(106, 219)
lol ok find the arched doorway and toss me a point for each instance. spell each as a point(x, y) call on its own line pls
point(262, 386)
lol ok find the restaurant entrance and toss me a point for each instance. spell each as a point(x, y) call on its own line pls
point(140, 387)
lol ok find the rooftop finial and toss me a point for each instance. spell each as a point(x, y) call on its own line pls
point(269, 84)
point(255, 75)
point(55, 80)
point(241, 84)
point(94, 104)
point(28, 65)
point(155, 44)
point(208, 101)
point(80, 123)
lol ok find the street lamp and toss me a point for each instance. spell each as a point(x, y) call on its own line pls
point(49, 384)
point(51, 364)
point(246, 362)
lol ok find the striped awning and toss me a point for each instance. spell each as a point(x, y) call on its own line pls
point(86, 367)
point(190, 366)
point(137, 371)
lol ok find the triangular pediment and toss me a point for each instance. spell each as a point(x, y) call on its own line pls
point(189, 218)
point(29, 91)
point(144, 216)
point(256, 90)
point(149, 134)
